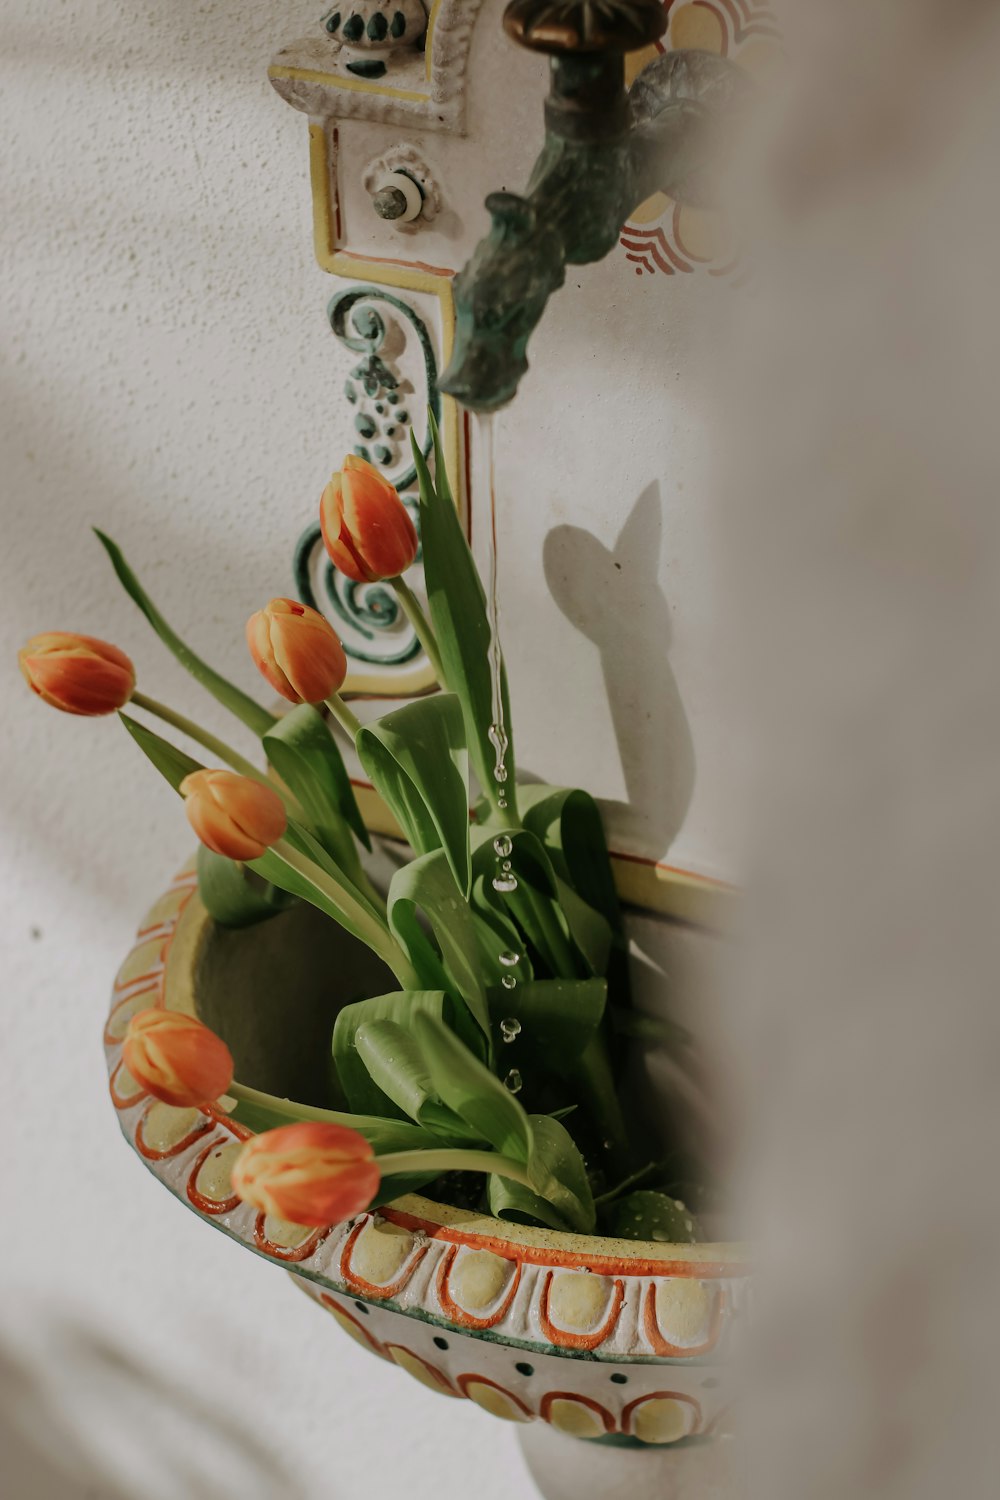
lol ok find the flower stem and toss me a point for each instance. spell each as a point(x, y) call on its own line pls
point(201, 736)
point(449, 1159)
point(424, 630)
point(345, 718)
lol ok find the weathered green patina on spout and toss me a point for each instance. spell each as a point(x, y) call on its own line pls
point(606, 150)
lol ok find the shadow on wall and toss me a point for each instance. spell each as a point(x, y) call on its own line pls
point(614, 598)
point(93, 1422)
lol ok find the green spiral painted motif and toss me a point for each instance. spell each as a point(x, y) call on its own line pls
point(382, 425)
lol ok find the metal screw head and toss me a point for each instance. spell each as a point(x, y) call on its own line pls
point(389, 203)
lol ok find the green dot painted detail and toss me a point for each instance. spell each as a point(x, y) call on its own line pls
point(620, 1379)
point(440, 1343)
point(350, 392)
point(524, 1369)
point(362, 452)
point(367, 67)
point(398, 26)
point(354, 28)
point(365, 425)
point(402, 416)
point(377, 27)
point(383, 454)
point(333, 22)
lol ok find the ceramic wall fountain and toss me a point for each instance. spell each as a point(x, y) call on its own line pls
point(413, 118)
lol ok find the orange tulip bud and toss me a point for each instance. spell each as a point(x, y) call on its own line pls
point(176, 1058)
point(366, 527)
point(309, 1173)
point(297, 650)
point(77, 673)
point(233, 815)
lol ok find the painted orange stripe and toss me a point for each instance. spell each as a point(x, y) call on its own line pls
point(535, 1255)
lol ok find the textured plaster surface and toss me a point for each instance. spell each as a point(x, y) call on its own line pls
point(165, 371)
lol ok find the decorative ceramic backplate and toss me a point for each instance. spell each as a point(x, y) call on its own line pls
point(661, 236)
point(597, 1337)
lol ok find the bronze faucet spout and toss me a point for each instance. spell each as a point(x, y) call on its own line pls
point(606, 149)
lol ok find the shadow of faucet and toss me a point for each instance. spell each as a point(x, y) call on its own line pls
point(614, 598)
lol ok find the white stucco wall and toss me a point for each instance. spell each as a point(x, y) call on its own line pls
point(165, 369)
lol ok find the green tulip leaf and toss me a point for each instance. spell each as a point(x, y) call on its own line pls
point(227, 693)
point(532, 904)
point(417, 760)
point(457, 606)
point(557, 1020)
point(562, 1198)
point(465, 967)
point(232, 895)
point(648, 1215)
point(173, 764)
point(568, 823)
point(400, 1006)
point(306, 756)
point(397, 1067)
point(468, 1088)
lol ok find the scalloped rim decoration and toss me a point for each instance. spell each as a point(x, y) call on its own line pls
point(527, 1323)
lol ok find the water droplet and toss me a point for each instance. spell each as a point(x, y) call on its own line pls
point(505, 884)
point(510, 1028)
point(513, 1082)
point(502, 846)
point(661, 1235)
point(501, 802)
point(510, 959)
point(508, 981)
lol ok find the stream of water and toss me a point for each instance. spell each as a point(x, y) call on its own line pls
point(504, 879)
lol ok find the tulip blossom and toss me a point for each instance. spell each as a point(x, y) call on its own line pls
point(366, 527)
point(297, 650)
point(176, 1058)
point(77, 673)
point(233, 815)
point(312, 1172)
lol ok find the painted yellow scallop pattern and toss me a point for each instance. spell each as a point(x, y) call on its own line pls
point(684, 1311)
point(662, 1419)
point(380, 1252)
point(164, 1126)
point(144, 959)
point(213, 1179)
point(578, 1301)
point(574, 1417)
point(427, 1374)
point(280, 1232)
point(497, 1402)
point(478, 1279)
